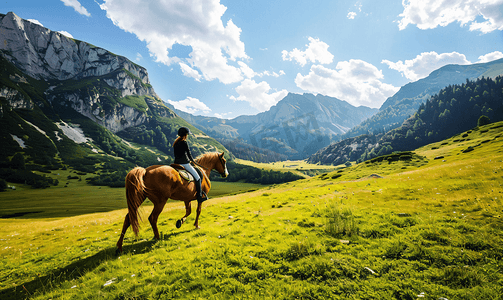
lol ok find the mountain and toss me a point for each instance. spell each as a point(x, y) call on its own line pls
point(455, 109)
point(64, 102)
point(408, 99)
point(296, 127)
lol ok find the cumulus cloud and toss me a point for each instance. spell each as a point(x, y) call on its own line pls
point(35, 22)
point(66, 33)
point(316, 51)
point(258, 94)
point(198, 23)
point(190, 105)
point(423, 64)
point(428, 14)
point(352, 14)
point(354, 81)
point(138, 56)
point(249, 73)
point(490, 57)
point(189, 72)
point(77, 6)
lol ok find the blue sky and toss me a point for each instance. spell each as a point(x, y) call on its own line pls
point(228, 58)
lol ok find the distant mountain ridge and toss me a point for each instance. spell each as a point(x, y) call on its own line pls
point(296, 126)
point(455, 109)
point(407, 100)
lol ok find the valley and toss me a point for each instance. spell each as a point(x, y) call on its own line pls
point(324, 200)
point(421, 224)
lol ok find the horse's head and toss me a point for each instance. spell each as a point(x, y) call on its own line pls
point(221, 166)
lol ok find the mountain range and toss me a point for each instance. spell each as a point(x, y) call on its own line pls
point(454, 109)
point(407, 100)
point(296, 127)
point(67, 102)
point(63, 100)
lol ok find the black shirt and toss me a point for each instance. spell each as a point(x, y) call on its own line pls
point(182, 153)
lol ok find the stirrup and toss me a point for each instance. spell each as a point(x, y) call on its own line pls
point(201, 199)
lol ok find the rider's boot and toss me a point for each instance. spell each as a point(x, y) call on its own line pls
point(200, 196)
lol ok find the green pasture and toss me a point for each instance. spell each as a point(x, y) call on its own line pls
point(299, 167)
point(73, 197)
point(421, 225)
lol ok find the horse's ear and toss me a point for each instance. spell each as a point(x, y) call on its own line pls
point(222, 155)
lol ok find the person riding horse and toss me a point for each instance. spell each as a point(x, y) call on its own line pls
point(183, 157)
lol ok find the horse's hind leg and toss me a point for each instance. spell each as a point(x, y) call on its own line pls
point(158, 207)
point(121, 239)
point(188, 210)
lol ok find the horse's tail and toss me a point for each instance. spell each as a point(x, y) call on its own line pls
point(135, 195)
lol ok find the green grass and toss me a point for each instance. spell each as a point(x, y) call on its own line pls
point(418, 228)
point(136, 102)
point(298, 167)
point(73, 197)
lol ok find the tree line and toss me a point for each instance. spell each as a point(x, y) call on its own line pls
point(455, 109)
point(243, 173)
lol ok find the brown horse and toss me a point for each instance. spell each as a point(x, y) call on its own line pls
point(160, 183)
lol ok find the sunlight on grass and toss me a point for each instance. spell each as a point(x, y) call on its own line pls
point(421, 228)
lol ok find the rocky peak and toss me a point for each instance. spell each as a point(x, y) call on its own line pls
point(45, 54)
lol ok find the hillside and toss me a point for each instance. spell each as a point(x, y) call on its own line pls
point(294, 128)
point(422, 224)
point(66, 103)
point(399, 107)
point(454, 109)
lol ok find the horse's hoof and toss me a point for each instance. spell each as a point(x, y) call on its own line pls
point(179, 223)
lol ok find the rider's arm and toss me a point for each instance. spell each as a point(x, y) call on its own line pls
point(187, 150)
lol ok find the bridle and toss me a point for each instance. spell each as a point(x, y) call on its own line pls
point(221, 161)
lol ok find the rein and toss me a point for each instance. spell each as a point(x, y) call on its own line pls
point(221, 160)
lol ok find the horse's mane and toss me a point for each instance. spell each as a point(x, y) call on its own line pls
point(203, 158)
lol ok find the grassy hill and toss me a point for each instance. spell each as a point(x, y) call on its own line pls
point(425, 224)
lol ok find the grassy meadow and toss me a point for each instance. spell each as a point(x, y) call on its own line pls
point(421, 225)
point(299, 167)
point(74, 197)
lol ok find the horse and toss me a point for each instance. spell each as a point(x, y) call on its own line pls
point(159, 183)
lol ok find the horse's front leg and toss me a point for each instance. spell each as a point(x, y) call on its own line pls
point(199, 206)
point(188, 210)
point(123, 233)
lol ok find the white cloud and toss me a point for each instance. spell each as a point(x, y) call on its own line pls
point(35, 22)
point(354, 81)
point(316, 51)
point(138, 56)
point(247, 71)
point(190, 105)
point(490, 57)
point(66, 33)
point(352, 14)
point(428, 14)
point(189, 72)
point(222, 115)
point(77, 6)
point(425, 63)
point(257, 94)
point(198, 24)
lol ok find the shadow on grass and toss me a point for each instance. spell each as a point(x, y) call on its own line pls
point(77, 269)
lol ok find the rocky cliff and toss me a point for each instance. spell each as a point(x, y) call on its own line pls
point(50, 56)
point(47, 79)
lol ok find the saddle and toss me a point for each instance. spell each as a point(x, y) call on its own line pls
point(184, 173)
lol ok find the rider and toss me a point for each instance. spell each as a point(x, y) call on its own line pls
point(183, 158)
